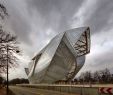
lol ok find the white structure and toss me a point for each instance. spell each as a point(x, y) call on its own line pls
point(62, 58)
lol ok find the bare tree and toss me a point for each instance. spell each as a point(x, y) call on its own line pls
point(97, 76)
point(81, 77)
point(8, 45)
point(105, 75)
point(87, 76)
point(3, 11)
point(7, 42)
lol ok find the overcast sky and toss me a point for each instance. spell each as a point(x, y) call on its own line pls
point(36, 22)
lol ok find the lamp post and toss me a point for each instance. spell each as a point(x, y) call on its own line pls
point(7, 50)
point(7, 70)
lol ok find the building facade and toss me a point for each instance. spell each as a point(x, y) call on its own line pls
point(62, 58)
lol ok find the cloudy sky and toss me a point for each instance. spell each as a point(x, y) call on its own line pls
point(36, 22)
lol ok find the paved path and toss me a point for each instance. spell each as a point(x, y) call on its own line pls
point(67, 85)
point(34, 91)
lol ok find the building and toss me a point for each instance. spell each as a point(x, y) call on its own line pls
point(62, 58)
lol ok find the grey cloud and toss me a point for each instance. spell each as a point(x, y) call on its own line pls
point(103, 61)
point(21, 27)
point(36, 21)
point(18, 21)
point(55, 12)
point(99, 62)
point(99, 20)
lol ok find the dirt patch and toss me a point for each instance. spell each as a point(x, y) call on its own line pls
point(3, 92)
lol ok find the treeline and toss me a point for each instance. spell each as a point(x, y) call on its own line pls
point(98, 77)
point(14, 81)
point(18, 81)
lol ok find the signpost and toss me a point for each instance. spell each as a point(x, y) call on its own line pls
point(106, 90)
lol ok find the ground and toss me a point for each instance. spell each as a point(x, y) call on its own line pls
point(2, 91)
point(33, 91)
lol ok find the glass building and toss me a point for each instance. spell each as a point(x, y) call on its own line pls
point(62, 58)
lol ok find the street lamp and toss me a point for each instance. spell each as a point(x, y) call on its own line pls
point(17, 51)
point(7, 69)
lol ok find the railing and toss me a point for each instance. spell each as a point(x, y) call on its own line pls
point(67, 88)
